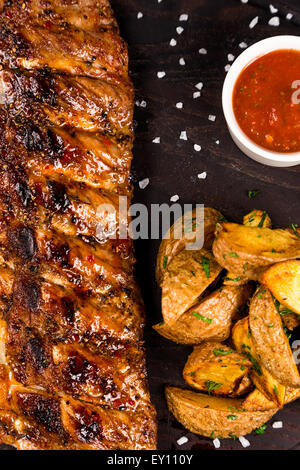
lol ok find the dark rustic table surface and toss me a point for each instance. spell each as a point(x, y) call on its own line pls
point(172, 166)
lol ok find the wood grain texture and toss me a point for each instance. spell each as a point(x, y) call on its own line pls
point(172, 167)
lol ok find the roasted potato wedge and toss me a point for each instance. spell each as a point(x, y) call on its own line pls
point(283, 280)
point(176, 242)
point(249, 251)
point(188, 276)
point(269, 339)
point(215, 368)
point(257, 218)
point(261, 377)
point(209, 320)
point(213, 416)
point(257, 401)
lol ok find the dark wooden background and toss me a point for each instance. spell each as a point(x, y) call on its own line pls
point(172, 166)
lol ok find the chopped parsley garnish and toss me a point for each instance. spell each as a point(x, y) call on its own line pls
point(201, 317)
point(253, 192)
point(261, 429)
point(232, 417)
point(193, 273)
point(275, 389)
point(165, 262)
point(233, 436)
point(294, 228)
point(211, 385)
point(222, 352)
point(271, 325)
point(206, 265)
point(262, 220)
point(234, 279)
point(233, 255)
point(254, 363)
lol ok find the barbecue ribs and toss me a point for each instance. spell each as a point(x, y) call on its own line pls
point(72, 363)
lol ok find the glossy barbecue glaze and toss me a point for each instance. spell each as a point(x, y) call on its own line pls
point(72, 372)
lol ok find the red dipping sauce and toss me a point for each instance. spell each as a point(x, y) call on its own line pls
point(266, 101)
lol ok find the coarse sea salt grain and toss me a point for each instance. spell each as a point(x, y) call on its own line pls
point(199, 86)
point(277, 425)
point(243, 45)
point(196, 94)
point(217, 142)
point(139, 15)
point(202, 176)
point(202, 51)
point(183, 17)
point(183, 135)
point(253, 23)
point(179, 30)
point(244, 1)
point(181, 61)
point(183, 439)
point(161, 74)
point(156, 140)
point(217, 443)
point(273, 9)
point(289, 16)
point(144, 183)
point(275, 21)
point(179, 105)
point(230, 57)
point(244, 441)
point(227, 67)
point(212, 117)
point(173, 42)
point(175, 198)
point(197, 147)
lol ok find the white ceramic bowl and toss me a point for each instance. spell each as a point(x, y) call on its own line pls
point(247, 146)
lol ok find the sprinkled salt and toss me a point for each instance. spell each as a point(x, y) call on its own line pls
point(230, 57)
point(275, 21)
point(273, 9)
point(197, 147)
point(289, 16)
point(253, 23)
point(227, 67)
point(161, 74)
point(202, 51)
point(244, 1)
point(217, 142)
point(179, 29)
point(173, 42)
point(181, 61)
point(217, 443)
point(244, 441)
point(183, 135)
point(243, 45)
point(159, 1)
point(212, 118)
point(179, 105)
point(144, 183)
point(143, 104)
point(156, 140)
point(199, 85)
point(182, 440)
point(175, 198)
point(277, 425)
point(183, 17)
point(196, 94)
point(139, 15)
point(202, 175)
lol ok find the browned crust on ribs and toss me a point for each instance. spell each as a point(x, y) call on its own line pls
point(72, 361)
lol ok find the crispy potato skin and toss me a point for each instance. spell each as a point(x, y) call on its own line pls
point(283, 280)
point(256, 401)
point(185, 280)
point(249, 251)
point(221, 307)
point(260, 376)
point(189, 409)
point(270, 340)
point(257, 218)
point(171, 246)
point(215, 362)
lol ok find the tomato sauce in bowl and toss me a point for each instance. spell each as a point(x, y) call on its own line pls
point(266, 101)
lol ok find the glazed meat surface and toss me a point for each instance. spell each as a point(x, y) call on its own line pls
point(72, 360)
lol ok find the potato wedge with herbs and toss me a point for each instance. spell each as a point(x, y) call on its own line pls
point(249, 251)
point(283, 280)
point(216, 369)
point(210, 319)
point(188, 276)
point(257, 401)
point(257, 218)
point(176, 242)
point(269, 339)
point(213, 416)
point(261, 377)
